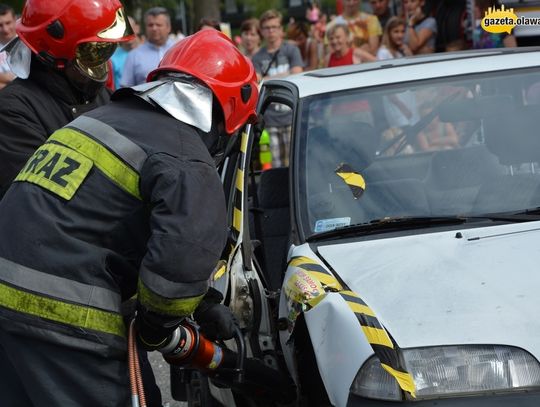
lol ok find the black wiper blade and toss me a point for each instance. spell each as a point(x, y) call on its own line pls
point(389, 224)
point(528, 211)
point(416, 221)
point(525, 215)
point(522, 216)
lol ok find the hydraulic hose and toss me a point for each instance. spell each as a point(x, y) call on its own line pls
point(138, 398)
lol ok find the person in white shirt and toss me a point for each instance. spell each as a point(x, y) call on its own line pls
point(7, 33)
point(400, 108)
point(393, 44)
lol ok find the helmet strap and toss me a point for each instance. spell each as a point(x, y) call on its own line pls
point(52, 62)
point(87, 86)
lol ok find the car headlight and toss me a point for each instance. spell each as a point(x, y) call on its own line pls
point(373, 382)
point(452, 371)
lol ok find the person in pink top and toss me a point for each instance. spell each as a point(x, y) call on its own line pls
point(342, 51)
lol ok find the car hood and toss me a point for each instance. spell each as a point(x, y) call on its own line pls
point(442, 289)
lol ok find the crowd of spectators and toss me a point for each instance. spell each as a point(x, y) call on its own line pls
point(357, 32)
point(355, 35)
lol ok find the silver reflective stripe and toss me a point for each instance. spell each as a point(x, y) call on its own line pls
point(120, 145)
point(59, 287)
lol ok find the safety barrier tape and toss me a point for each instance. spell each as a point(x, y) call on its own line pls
point(377, 336)
point(314, 269)
point(354, 180)
point(239, 190)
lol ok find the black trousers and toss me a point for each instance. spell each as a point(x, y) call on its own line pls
point(35, 373)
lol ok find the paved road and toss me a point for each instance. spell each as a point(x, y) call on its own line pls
point(161, 371)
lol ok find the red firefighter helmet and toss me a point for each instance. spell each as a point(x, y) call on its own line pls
point(65, 30)
point(212, 57)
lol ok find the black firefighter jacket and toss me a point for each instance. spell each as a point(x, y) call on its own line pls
point(31, 110)
point(125, 199)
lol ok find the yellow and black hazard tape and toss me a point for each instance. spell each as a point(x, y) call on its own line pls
point(382, 344)
point(315, 270)
point(353, 179)
point(239, 190)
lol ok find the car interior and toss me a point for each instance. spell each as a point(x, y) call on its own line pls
point(496, 169)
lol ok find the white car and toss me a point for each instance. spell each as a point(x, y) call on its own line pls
point(397, 259)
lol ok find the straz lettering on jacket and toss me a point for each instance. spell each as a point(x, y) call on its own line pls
point(56, 168)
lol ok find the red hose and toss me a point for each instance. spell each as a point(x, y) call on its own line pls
point(140, 385)
point(138, 398)
point(132, 374)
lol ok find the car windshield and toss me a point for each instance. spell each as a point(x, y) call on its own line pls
point(461, 146)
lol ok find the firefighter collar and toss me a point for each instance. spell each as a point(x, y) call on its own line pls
point(19, 57)
point(187, 101)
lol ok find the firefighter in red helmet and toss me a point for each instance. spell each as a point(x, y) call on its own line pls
point(123, 200)
point(60, 58)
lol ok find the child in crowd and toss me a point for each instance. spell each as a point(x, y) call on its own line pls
point(393, 45)
point(421, 30)
point(399, 108)
point(313, 12)
point(299, 34)
point(342, 53)
point(250, 35)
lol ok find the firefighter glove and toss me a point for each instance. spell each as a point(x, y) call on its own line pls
point(153, 330)
point(216, 320)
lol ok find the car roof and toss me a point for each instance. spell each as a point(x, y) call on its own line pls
point(411, 69)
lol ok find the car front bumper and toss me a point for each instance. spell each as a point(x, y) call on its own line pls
point(521, 399)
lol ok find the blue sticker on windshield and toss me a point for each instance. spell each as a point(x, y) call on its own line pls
point(330, 224)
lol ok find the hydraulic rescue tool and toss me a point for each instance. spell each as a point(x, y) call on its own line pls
point(189, 349)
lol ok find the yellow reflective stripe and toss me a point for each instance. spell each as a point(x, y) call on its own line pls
point(361, 309)
point(113, 167)
point(153, 345)
point(220, 272)
point(237, 219)
point(56, 168)
point(352, 178)
point(244, 142)
point(167, 306)
point(240, 180)
point(405, 380)
point(59, 311)
point(377, 336)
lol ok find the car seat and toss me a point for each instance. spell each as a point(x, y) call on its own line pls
point(274, 220)
point(513, 138)
point(455, 176)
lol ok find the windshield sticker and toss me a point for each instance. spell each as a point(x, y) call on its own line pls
point(353, 179)
point(324, 225)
